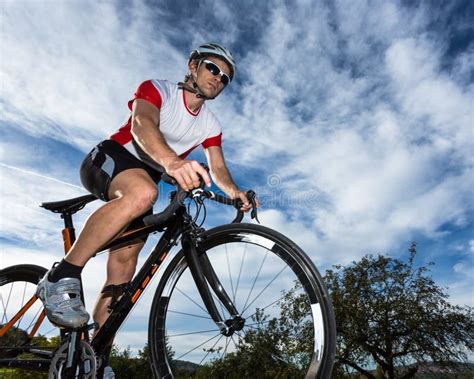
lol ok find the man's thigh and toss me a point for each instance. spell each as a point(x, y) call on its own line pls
point(106, 162)
point(130, 181)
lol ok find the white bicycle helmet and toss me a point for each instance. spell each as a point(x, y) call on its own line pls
point(214, 49)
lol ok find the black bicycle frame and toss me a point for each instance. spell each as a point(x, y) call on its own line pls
point(199, 266)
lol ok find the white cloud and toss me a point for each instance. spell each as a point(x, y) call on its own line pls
point(461, 284)
point(21, 193)
point(375, 144)
point(78, 79)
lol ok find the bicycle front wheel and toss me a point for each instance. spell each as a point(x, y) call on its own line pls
point(289, 329)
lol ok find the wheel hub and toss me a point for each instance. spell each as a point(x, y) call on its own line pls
point(234, 324)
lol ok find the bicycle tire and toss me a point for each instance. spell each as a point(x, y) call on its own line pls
point(310, 313)
point(18, 285)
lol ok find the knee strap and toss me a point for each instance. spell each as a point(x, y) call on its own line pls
point(114, 291)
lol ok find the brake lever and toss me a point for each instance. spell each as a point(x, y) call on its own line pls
point(253, 214)
point(251, 195)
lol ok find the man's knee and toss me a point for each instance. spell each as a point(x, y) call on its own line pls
point(140, 200)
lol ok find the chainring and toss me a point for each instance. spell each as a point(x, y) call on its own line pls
point(87, 367)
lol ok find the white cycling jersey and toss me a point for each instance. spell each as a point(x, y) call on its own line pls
point(182, 129)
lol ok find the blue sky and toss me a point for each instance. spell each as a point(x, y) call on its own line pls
point(353, 120)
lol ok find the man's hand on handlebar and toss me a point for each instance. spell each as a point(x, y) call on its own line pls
point(187, 173)
point(242, 201)
point(246, 204)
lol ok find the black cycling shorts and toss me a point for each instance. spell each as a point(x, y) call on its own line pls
point(105, 162)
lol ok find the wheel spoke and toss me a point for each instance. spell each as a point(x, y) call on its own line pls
point(265, 307)
point(190, 333)
point(5, 305)
point(236, 346)
point(189, 314)
point(33, 320)
point(263, 290)
point(225, 349)
point(210, 350)
point(22, 303)
point(190, 299)
point(240, 272)
point(255, 280)
point(229, 271)
point(50, 330)
point(4, 315)
point(198, 346)
point(270, 352)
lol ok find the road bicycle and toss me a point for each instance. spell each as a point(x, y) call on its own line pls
point(234, 294)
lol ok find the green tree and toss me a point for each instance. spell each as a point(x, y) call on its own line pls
point(127, 366)
point(143, 363)
point(122, 362)
point(392, 314)
point(16, 337)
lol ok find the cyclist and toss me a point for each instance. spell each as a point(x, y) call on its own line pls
point(167, 122)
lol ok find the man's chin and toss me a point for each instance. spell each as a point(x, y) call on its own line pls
point(210, 93)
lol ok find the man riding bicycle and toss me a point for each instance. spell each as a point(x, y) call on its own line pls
point(167, 122)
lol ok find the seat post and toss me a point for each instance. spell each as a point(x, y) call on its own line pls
point(69, 234)
point(67, 208)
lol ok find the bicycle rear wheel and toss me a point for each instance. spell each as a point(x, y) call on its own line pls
point(289, 329)
point(29, 341)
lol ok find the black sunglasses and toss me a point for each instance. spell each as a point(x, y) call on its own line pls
point(215, 70)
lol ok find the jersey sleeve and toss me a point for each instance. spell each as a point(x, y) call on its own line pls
point(212, 141)
point(214, 137)
point(153, 91)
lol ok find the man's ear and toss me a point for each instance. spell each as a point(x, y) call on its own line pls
point(193, 67)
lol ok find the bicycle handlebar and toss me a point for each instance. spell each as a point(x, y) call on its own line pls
point(180, 196)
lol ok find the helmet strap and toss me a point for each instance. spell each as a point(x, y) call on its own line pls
point(195, 88)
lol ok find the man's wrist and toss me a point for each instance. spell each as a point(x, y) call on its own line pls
point(234, 192)
point(168, 161)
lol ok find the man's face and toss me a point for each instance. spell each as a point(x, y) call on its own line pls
point(209, 83)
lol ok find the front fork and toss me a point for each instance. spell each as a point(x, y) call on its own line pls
point(203, 273)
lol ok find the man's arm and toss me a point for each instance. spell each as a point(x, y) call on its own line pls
point(146, 132)
point(219, 171)
point(145, 118)
point(222, 177)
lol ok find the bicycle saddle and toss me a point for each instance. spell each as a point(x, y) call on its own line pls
point(69, 205)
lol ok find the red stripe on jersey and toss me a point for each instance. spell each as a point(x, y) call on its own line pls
point(147, 91)
point(186, 153)
point(213, 141)
point(186, 106)
point(124, 134)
